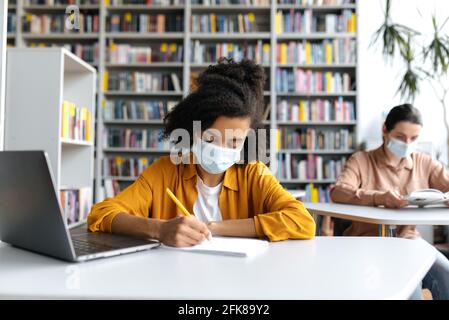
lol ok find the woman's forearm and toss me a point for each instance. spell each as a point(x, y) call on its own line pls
point(233, 228)
point(140, 227)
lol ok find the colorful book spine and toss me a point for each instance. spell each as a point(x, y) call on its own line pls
point(55, 23)
point(75, 204)
point(135, 138)
point(210, 52)
point(338, 110)
point(337, 51)
point(164, 52)
point(308, 81)
point(141, 22)
point(229, 23)
point(316, 139)
point(143, 81)
point(75, 122)
point(311, 167)
point(137, 110)
point(126, 166)
point(305, 21)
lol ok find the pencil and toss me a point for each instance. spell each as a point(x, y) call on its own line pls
point(178, 203)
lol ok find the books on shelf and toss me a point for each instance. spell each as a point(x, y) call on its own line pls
point(206, 52)
point(316, 110)
point(315, 139)
point(55, 23)
point(137, 110)
point(144, 2)
point(316, 2)
point(163, 52)
point(306, 21)
point(76, 203)
point(312, 167)
point(232, 2)
point(111, 188)
point(126, 167)
point(88, 52)
point(75, 122)
point(61, 2)
point(219, 23)
point(308, 81)
point(142, 22)
point(11, 24)
point(143, 81)
point(337, 51)
point(317, 194)
point(135, 138)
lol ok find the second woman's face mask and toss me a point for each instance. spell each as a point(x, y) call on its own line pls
point(215, 159)
point(401, 149)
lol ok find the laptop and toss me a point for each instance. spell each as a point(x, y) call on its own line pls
point(31, 217)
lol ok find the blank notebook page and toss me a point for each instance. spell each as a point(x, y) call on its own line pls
point(238, 247)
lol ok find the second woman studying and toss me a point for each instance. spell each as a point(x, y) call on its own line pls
point(227, 197)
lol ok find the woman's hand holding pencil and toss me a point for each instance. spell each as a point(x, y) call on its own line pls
point(183, 231)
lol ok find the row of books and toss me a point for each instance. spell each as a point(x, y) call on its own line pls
point(308, 81)
point(75, 122)
point(316, 2)
point(61, 2)
point(304, 21)
point(316, 110)
point(323, 52)
point(315, 139)
point(163, 52)
point(111, 188)
point(75, 203)
point(142, 81)
point(317, 194)
point(211, 52)
point(11, 24)
point(232, 2)
point(88, 52)
point(312, 167)
point(55, 23)
point(144, 2)
point(142, 22)
point(234, 23)
point(137, 110)
point(135, 138)
point(126, 167)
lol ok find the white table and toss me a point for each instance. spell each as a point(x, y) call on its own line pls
point(322, 268)
point(430, 215)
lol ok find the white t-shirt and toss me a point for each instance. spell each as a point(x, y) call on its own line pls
point(206, 205)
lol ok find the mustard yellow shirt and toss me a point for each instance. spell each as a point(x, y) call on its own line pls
point(248, 191)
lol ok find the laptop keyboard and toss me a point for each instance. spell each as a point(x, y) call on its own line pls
point(83, 247)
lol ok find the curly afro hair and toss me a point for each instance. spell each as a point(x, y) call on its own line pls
point(227, 89)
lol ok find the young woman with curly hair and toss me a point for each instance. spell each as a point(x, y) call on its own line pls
point(228, 197)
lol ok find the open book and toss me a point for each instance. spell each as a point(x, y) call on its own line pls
point(238, 247)
point(426, 197)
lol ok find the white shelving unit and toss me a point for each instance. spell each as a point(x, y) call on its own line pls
point(38, 81)
point(267, 33)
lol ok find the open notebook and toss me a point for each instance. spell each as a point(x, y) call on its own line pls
point(238, 247)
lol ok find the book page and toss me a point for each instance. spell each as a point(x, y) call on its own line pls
point(239, 247)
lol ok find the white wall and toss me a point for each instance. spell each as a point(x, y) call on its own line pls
point(378, 81)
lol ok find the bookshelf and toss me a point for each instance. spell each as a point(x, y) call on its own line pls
point(56, 115)
point(261, 38)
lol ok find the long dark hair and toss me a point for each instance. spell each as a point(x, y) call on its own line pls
point(403, 112)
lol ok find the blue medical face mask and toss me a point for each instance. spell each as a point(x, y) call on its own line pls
point(401, 149)
point(215, 159)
